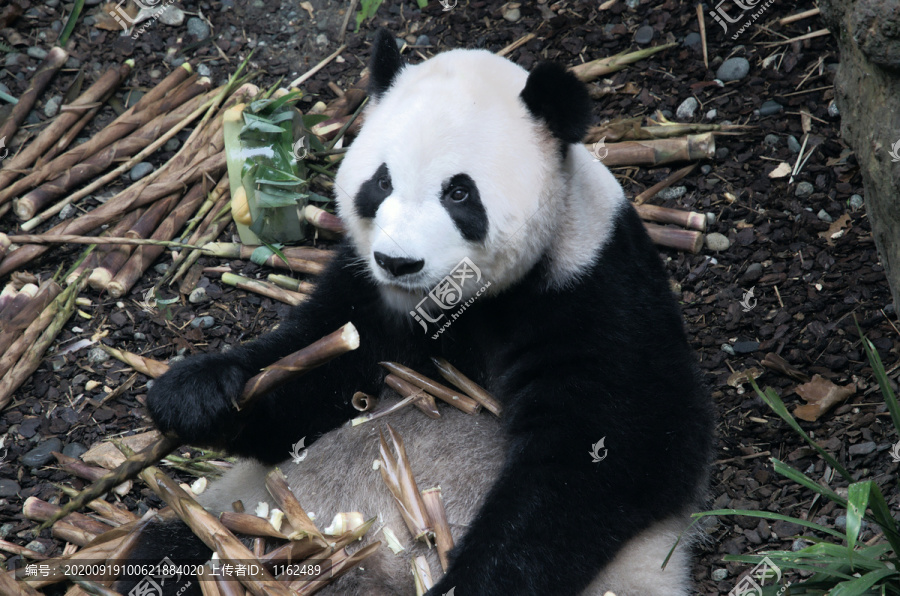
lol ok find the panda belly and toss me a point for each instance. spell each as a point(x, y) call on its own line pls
point(460, 453)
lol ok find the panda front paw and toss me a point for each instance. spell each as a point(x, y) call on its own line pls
point(195, 399)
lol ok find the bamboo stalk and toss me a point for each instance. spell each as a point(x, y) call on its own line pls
point(289, 283)
point(686, 240)
point(397, 474)
point(595, 69)
point(14, 320)
point(91, 261)
point(142, 112)
point(375, 415)
point(421, 575)
point(303, 527)
point(231, 250)
point(340, 566)
point(54, 60)
point(265, 289)
point(89, 554)
point(207, 581)
point(660, 151)
point(424, 400)
point(38, 510)
point(15, 549)
point(62, 530)
point(47, 139)
point(9, 290)
point(618, 131)
point(217, 224)
point(471, 388)
point(685, 219)
point(81, 469)
point(68, 135)
point(18, 302)
point(316, 354)
point(8, 585)
point(669, 181)
point(113, 515)
point(323, 220)
point(443, 539)
point(454, 398)
point(251, 525)
point(146, 366)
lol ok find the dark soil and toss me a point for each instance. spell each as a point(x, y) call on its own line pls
point(811, 288)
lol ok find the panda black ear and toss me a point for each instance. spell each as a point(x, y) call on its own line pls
point(384, 63)
point(557, 97)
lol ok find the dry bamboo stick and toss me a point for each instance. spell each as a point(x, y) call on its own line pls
point(231, 250)
point(686, 219)
point(814, 34)
point(289, 283)
point(799, 16)
point(660, 151)
point(687, 240)
point(68, 135)
point(303, 527)
point(595, 69)
point(113, 515)
point(454, 398)
point(86, 471)
point(93, 258)
point(205, 233)
point(323, 220)
point(667, 182)
point(98, 240)
point(316, 354)
point(125, 201)
point(15, 549)
point(443, 539)
point(251, 525)
point(63, 530)
point(375, 415)
point(27, 206)
point(54, 60)
point(471, 388)
point(265, 289)
point(614, 131)
point(146, 366)
point(142, 112)
point(47, 139)
point(38, 510)
point(397, 474)
point(423, 400)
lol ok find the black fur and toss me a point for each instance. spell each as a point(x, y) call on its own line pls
point(468, 214)
point(605, 357)
point(384, 64)
point(371, 194)
point(556, 96)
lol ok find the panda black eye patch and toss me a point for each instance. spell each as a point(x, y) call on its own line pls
point(373, 192)
point(459, 196)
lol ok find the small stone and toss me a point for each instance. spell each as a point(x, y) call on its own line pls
point(13, 59)
point(862, 448)
point(770, 108)
point(203, 70)
point(856, 202)
point(321, 39)
point(6, 530)
point(37, 53)
point(823, 215)
point(74, 449)
point(728, 349)
point(687, 109)
point(198, 296)
point(37, 546)
point(423, 40)
point(51, 108)
point(155, 73)
point(833, 110)
point(140, 170)
point(745, 347)
point(705, 169)
point(97, 356)
point(692, 39)
point(632, 4)
point(793, 144)
point(138, 336)
point(710, 218)
point(733, 69)
point(717, 242)
point(672, 193)
point(754, 272)
point(41, 454)
point(161, 268)
point(51, 3)
point(804, 189)
point(644, 35)
point(512, 14)
point(719, 575)
point(67, 211)
point(722, 152)
point(197, 28)
point(171, 15)
point(772, 140)
point(133, 98)
point(9, 488)
point(799, 544)
point(172, 144)
point(73, 63)
point(400, 42)
point(203, 322)
point(712, 114)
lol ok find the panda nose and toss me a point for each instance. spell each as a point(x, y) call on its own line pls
point(398, 266)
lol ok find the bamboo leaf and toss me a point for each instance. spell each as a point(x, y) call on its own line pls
point(857, 501)
point(881, 376)
point(254, 123)
point(772, 516)
point(861, 585)
point(310, 120)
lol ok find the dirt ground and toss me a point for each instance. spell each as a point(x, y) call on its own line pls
point(804, 247)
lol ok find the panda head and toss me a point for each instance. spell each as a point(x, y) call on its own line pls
point(461, 156)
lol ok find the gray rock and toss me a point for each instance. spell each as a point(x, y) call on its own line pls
point(733, 69)
point(799, 544)
point(9, 488)
point(67, 211)
point(793, 144)
point(73, 63)
point(833, 110)
point(198, 296)
point(37, 546)
point(719, 574)
point(74, 449)
point(37, 53)
point(92, 2)
point(203, 322)
point(6, 530)
point(728, 349)
point(770, 108)
point(321, 39)
point(772, 140)
point(51, 108)
point(717, 242)
point(632, 4)
point(138, 336)
point(823, 215)
point(862, 448)
point(687, 109)
point(198, 28)
point(423, 40)
point(203, 70)
point(754, 272)
point(171, 15)
point(712, 114)
point(13, 59)
point(722, 152)
point(172, 144)
point(856, 202)
point(177, 358)
point(692, 39)
point(161, 267)
point(644, 35)
point(710, 218)
point(400, 42)
point(97, 356)
point(672, 192)
point(705, 169)
point(512, 14)
point(133, 98)
point(40, 455)
point(140, 170)
point(51, 3)
point(155, 73)
point(745, 347)
point(804, 189)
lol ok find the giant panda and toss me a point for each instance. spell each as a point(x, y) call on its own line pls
point(467, 162)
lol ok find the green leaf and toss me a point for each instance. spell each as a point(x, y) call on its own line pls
point(422, 3)
point(772, 516)
point(857, 501)
point(881, 515)
point(254, 123)
point(881, 376)
point(271, 249)
point(861, 585)
point(261, 253)
point(310, 120)
point(804, 480)
point(70, 23)
point(267, 200)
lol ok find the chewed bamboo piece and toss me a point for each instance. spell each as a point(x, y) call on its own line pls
point(397, 474)
point(595, 69)
point(454, 398)
point(434, 506)
point(421, 575)
point(464, 383)
point(323, 220)
point(685, 219)
point(659, 152)
point(303, 527)
point(687, 240)
point(252, 525)
point(316, 354)
point(264, 288)
point(147, 366)
point(289, 283)
point(422, 399)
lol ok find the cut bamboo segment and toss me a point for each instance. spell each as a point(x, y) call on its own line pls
point(595, 69)
point(660, 151)
point(39, 510)
point(94, 258)
point(687, 240)
point(323, 220)
point(8, 585)
point(289, 283)
point(9, 290)
point(147, 366)
point(303, 527)
point(340, 564)
point(63, 530)
point(113, 515)
point(263, 288)
point(363, 402)
point(686, 219)
point(422, 399)
point(421, 575)
point(443, 539)
point(397, 474)
point(251, 525)
point(471, 388)
point(15, 319)
point(454, 398)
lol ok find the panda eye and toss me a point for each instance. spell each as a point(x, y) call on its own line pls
point(458, 194)
point(384, 183)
